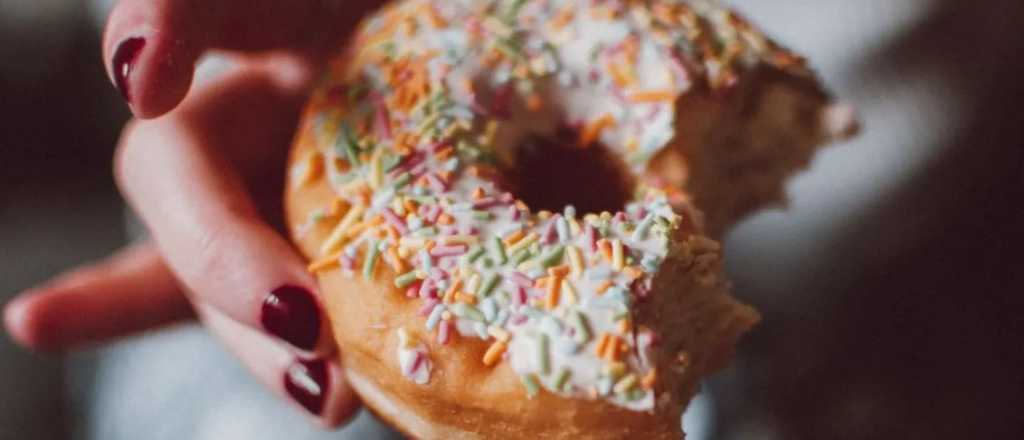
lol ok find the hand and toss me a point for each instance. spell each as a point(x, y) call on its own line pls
point(203, 166)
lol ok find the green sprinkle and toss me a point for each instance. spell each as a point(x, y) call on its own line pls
point(402, 180)
point(544, 354)
point(428, 231)
point(521, 256)
point(509, 47)
point(475, 253)
point(513, 11)
point(481, 215)
point(530, 382)
point(490, 283)
point(581, 326)
point(498, 248)
point(404, 280)
point(349, 145)
point(370, 263)
point(390, 161)
point(552, 257)
point(561, 379)
point(463, 310)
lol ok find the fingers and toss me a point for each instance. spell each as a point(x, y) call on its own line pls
point(202, 218)
point(130, 292)
point(317, 385)
point(151, 46)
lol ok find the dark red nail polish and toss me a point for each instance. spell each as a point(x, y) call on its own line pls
point(292, 314)
point(121, 64)
point(306, 382)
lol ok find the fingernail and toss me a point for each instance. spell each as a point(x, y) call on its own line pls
point(292, 314)
point(122, 63)
point(306, 382)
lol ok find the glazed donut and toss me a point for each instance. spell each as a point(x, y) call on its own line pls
point(502, 202)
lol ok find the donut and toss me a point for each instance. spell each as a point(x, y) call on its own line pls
point(511, 207)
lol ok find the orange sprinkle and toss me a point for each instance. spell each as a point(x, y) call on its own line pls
point(649, 379)
point(449, 295)
point(559, 271)
point(445, 153)
point(327, 262)
point(592, 131)
point(614, 347)
point(435, 19)
point(478, 193)
point(534, 102)
point(337, 206)
point(409, 205)
point(396, 262)
point(554, 292)
point(624, 326)
point(464, 297)
point(445, 219)
point(602, 344)
point(541, 282)
point(514, 237)
point(563, 18)
point(653, 96)
point(622, 76)
point(601, 288)
point(494, 353)
point(605, 247)
point(632, 272)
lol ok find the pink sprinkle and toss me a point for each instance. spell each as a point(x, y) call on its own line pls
point(591, 235)
point(469, 230)
point(486, 202)
point(347, 262)
point(412, 291)
point(641, 213)
point(519, 296)
point(518, 319)
point(449, 251)
point(449, 230)
point(417, 362)
point(428, 306)
point(620, 216)
point(514, 211)
point(382, 122)
point(444, 332)
point(550, 236)
point(438, 274)
point(506, 197)
point(395, 221)
point(409, 162)
point(521, 280)
point(428, 289)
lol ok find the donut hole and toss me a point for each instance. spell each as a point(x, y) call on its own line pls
point(554, 171)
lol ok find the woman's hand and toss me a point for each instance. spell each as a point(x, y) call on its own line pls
point(203, 166)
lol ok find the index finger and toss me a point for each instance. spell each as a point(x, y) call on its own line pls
point(151, 46)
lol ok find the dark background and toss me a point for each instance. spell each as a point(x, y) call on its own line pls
point(891, 290)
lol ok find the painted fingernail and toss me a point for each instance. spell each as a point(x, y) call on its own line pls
point(122, 63)
point(292, 314)
point(306, 382)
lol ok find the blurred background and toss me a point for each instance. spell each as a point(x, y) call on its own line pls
point(892, 286)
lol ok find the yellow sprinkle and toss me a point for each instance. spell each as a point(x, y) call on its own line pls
point(649, 379)
point(376, 169)
point(575, 261)
point(406, 339)
point(522, 244)
point(396, 262)
point(494, 353)
point(574, 226)
point(324, 263)
point(514, 237)
point(412, 242)
point(499, 333)
point(473, 284)
point(624, 326)
point(617, 257)
point(653, 96)
point(614, 370)
point(460, 239)
point(592, 131)
point(570, 292)
point(449, 295)
point(602, 344)
point(627, 383)
point(337, 236)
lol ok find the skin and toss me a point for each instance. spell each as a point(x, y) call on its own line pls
point(202, 166)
